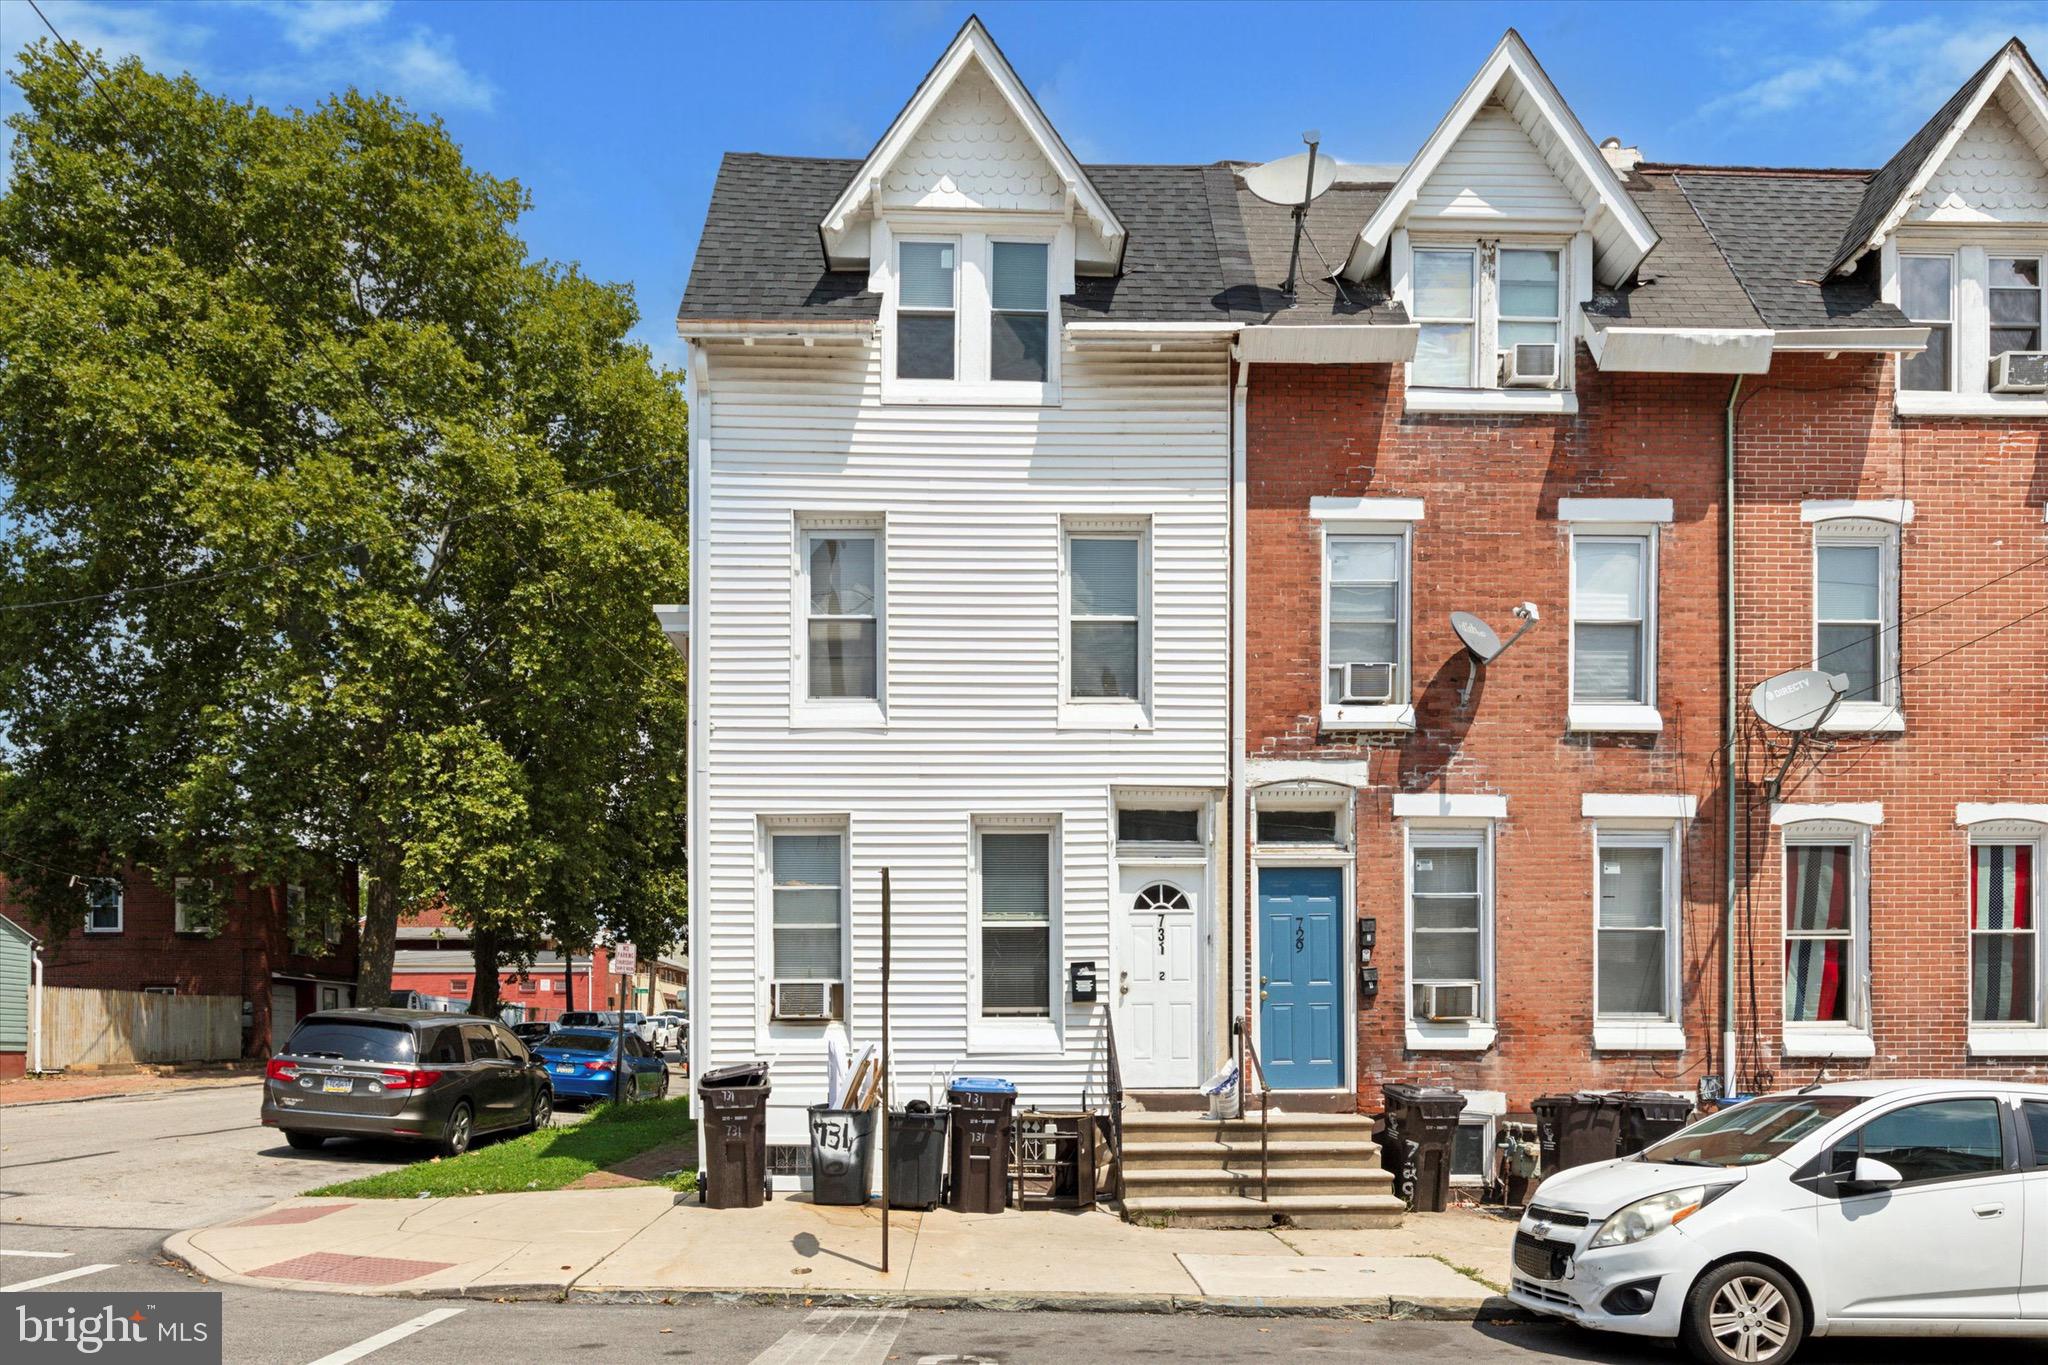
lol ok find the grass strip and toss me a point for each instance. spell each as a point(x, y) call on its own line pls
point(546, 1160)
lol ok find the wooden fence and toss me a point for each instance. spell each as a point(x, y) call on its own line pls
point(113, 1028)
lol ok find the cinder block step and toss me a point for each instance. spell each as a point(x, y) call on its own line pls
point(1237, 1211)
point(1244, 1156)
point(1204, 1182)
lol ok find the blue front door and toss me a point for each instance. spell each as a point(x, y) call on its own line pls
point(1301, 986)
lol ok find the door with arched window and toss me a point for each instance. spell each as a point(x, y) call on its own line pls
point(1156, 987)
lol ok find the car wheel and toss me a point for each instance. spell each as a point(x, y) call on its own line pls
point(1743, 1313)
point(455, 1141)
point(305, 1142)
point(543, 1109)
point(661, 1090)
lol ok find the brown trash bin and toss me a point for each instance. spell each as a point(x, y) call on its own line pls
point(735, 1174)
point(981, 1144)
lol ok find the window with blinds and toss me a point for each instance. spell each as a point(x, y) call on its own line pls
point(926, 309)
point(1611, 628)
point(1105, 577)
point(809, 909)
point(1019, 323)
point(1016, 923)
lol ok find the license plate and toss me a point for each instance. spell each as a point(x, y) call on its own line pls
point(336, 1085)
point(565, 1071)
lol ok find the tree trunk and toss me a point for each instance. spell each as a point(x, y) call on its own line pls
point(483, 951)
point(379, 941)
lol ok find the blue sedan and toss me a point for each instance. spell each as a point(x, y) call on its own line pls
point(582, 1064)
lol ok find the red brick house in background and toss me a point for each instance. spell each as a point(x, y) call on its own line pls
point(1512, 880)
point(433, 958)
point(136, 938)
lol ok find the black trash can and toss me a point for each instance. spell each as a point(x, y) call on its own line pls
point(917, 1159)
point(1421, 1122)
point(842, 1154)
point(982, 1106)
point(1648, 1117)
point(735, 1118)
point(1577, 1130)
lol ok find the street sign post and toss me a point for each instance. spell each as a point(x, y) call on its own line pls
point(622, 966)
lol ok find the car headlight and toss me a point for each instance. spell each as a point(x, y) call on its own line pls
point(1646, 1217)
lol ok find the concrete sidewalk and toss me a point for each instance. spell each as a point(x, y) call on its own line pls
point(637, 1245)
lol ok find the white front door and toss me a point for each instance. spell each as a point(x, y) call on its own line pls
point(1157, 979)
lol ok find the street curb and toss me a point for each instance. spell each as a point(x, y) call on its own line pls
point(178, 1249)
point(129, 1094)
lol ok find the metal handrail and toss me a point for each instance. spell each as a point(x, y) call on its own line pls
point(1250, 1050)
point(1116, 1105)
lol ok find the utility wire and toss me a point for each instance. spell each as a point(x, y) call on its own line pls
point(71, 55)
point(1935, 659)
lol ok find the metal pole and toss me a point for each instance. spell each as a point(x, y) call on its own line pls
point(885, 1071)
point(619, 1071)
point(1731, 799)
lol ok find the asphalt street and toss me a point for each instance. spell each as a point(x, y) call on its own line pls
point(88, 1191)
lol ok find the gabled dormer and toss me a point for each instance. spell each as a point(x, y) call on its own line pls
point(1959, 222)
point(1494, 235)
point(972, 219)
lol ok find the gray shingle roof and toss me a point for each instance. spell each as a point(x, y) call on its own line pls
point(1685, 281)
point(1334, 221)
point(759, 258)
point(1172, 269)
point(1778, 231)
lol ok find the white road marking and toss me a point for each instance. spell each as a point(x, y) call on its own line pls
point(39, 1255)
point(838, 1336)
point(385, 1338)
point(71, 1274)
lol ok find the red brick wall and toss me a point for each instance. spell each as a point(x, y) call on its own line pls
point(1976, 720)
point(1491, 539)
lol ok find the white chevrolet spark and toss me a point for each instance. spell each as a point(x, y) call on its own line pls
point(1875, 1209)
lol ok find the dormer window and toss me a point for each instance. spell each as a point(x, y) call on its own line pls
point(1977, 304)
point(1490, 317)
point(969, 316)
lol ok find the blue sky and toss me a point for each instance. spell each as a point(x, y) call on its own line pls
point(613, 115)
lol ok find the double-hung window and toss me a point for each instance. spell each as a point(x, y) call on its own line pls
point(1446, 297)
point(103, 904)
point(1364, 606)
point(1015, 871)
point(807, 870)
point(191, 906)
point(927, 308)
point(1106, 592)
point(1613, 631)
point(1826, 924)
point(1530, 303)
point(1856, 617)
point(1927, 296)
point(1635, 937)
point(2014, 296)
point(1020, 312)
point(842, 577)
point(2005, 930)
point(1449, 928)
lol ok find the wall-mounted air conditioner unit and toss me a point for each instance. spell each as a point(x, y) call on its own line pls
point(806, 1000)
point(2020, 372)
point(1450, 1002)
point(1368, 683)
point(1529, 364)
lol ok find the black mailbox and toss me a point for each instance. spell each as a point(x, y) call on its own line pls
point(1368, 983)
point(1081, 982)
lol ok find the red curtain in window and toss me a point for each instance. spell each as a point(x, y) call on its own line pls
point(2001, 948)
point(1817, 969)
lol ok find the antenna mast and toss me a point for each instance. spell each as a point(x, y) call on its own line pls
point(1313, 137)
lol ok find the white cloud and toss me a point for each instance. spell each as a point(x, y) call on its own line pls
point(309, 23)
point(159, 36)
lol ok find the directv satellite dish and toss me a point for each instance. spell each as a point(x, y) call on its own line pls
point(1799, 700)
point(1293, 179)
point(1795, 703)
point(1483, 642)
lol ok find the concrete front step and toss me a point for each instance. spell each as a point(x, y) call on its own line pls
point(1202, 1182)
point(1348, 1128)
point(1244, 1156)
point(1237, 1211)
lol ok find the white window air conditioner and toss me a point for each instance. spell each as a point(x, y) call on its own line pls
point(1529, 364)
point(1368, 683)
point(2020, 372)
point(1450, 1002)
point(806, 1000)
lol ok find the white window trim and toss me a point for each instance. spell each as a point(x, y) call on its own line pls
point(771, 1033)
point(1887, 713)
point(1485, 396)
point(1009, 1036)
point(1307, 794)
point(1640, 717)
point(1853, 1039)
point(1422, 1035)
point(1629, 1033)
point(178, 920)
point(852, 713)
point(1195, 799)
point(1371, 512)
point(1397, 715)
point(120, 908)
point(1971, 247)
point(1484, 1109)
point(1990, 1038)
point(1106, 713)
point(973, 235)
point(1637, 512)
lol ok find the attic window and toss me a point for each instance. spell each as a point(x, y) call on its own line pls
point(1021, 314)
point(926, 307)
point(1478, 305)
point(969, 319)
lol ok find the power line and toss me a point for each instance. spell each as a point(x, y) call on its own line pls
point(1935, 659)
point(1904, 621)
point(78, 62)
point(291, 561)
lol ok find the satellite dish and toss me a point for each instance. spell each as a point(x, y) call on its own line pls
point(1799, 700)
point(1293, 179)
point(1481, 639)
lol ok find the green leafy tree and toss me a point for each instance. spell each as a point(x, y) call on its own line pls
point(331, 525)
